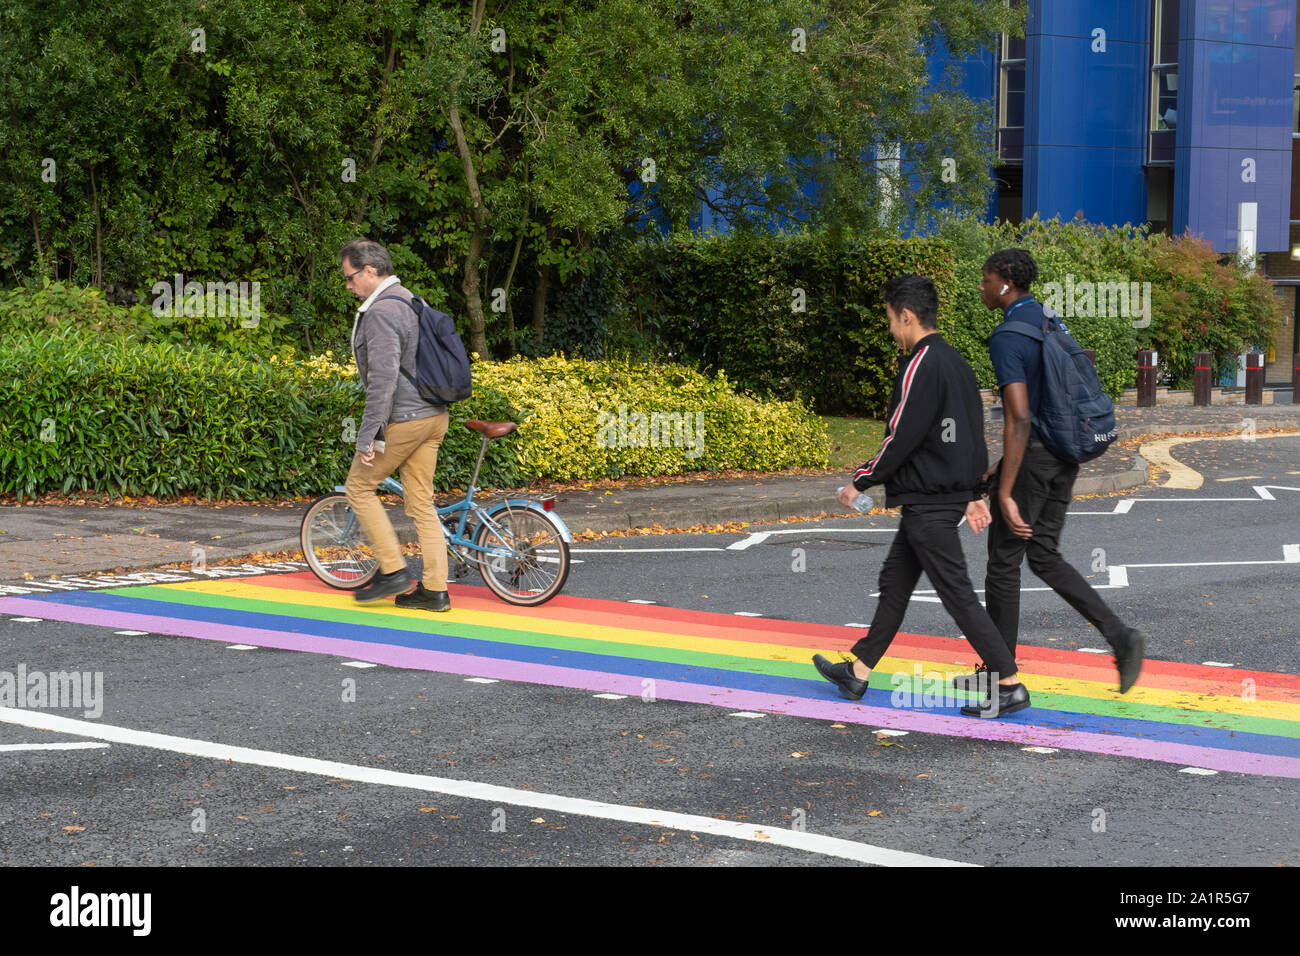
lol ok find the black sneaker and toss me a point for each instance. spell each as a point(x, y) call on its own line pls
point(384, 585)
point(841, 675)
point(1009, 700)
point(424, 600)
point(1129, 654)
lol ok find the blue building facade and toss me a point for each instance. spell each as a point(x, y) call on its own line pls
point(1177, 113)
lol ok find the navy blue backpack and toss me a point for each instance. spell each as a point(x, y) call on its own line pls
point(1076, 419)
point(441, 364)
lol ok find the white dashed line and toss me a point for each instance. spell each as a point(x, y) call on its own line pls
point(890, 733)
point(748, 614)
point(1039, 750)
point(1093, 650)
point(359, 664)
point(131, 633)
point(1199, 771)
point(79, 745)
point(1215, 664)
point(610, 696)
point(28, 620)
point(746, 713)
point(241, 647)
point(639, 601)
point(481, 680)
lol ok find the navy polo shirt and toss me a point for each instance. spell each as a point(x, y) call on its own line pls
point(1018, 358)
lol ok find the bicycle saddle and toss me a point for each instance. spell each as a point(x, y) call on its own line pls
point(491, 429)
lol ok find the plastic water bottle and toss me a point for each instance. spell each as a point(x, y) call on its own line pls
point(862, 502)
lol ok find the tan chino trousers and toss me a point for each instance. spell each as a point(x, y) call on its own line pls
point(411, 446)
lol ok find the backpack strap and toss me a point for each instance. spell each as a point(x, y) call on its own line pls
point(415, 308)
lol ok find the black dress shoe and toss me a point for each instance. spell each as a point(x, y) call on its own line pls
point(1009, 700)
point(424, 600)
point(972, 681)
point(1129, 654)
point(841, 675)
point(384, 585)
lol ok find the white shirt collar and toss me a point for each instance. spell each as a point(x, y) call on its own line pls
point(391, 280)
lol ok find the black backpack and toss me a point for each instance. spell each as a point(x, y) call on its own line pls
point(1076, 419)
point(442, 373)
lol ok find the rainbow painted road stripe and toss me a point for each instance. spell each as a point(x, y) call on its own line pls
point(1236, 721)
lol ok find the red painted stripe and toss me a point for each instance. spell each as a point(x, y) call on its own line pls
point(908, 377)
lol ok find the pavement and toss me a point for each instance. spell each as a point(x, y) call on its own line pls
point(41, 541)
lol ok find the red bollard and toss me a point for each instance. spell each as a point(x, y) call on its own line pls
point(1146, 382)
point(1254, 378)
point(1201, 379)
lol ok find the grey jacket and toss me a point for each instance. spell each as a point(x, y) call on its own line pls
point(384, 343)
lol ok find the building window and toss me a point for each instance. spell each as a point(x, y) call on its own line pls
point(1011, 97)
point(1164, 81)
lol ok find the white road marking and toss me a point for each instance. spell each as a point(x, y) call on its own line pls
point(890, 733)
point(639, 601)
point(610, 696)
point(131, 633)
point(491, 793)
point(1242, 478)
point(1200, 771)
point(748, 614)
point(758, 537)
point(359, 664)
point(635, 550)
point(856, 624)
point(1093, 650)
point(28, 620)
point(1039, 750)
point(1215, 664)
point(241, 647)
point(746, 713)
point(78, 745)
point(481, 680)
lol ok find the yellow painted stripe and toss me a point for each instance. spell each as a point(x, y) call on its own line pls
point(1098, 690)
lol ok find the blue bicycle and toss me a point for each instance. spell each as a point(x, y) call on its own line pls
point(520, 546)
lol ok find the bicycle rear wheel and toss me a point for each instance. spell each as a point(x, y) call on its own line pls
point(528, 559)
point(334, 544)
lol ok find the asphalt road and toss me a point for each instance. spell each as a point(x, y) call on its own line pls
point(946, 797)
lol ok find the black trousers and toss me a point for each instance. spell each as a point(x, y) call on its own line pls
point(927, 540)
point(1043, 490)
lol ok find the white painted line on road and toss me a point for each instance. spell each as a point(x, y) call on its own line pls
point(636, 550)
point(28, 620)
point(746, 713)
point(639, 601)
point(610, 696)
point(1199, 771)
point(758, 537)
point(1093, 650)
point(481, 680)
point(131, 633)
point(1039, 750)
point(1123, 507)
point(491, 793)
point(241, 647)
point(748, 614)
point(890, 733)
point(1263, 491)
point(1242, 478)
point(1215, 664)
point(856, 624)
point(359, 664)
point(78, 745)
point(1118, 574)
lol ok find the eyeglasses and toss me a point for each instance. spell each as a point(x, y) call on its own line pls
point(348, 276)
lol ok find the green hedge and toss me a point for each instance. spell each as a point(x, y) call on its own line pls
point(728, 303)
point(113, 415)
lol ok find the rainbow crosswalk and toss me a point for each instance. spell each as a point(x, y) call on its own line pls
point(1235, 721)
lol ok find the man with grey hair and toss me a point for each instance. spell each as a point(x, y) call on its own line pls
point(399, 429)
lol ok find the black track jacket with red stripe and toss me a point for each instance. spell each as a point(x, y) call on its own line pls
point(933, 451)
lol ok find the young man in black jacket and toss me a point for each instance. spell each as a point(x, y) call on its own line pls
point(931, 462)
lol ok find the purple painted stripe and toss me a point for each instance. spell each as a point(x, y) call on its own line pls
point(1232, 761)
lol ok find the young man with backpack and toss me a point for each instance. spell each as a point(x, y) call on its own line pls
point(930, 461)
point(1055, 416)
point(400, 428)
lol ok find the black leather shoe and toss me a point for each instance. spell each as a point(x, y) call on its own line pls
point(424, 600)
point(384, 585)
point(1010, 700)
point(972, 681)
point(1129, 654)
point(841, 675)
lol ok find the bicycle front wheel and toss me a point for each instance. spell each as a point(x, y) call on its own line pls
point(526, 560)
point(334, 545)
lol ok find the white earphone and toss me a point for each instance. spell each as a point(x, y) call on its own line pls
point(1004, 290)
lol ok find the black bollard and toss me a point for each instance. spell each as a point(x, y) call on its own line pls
point(1146, 383)
point(1201, 379)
